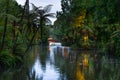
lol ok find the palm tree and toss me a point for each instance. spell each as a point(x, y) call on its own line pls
point(40, 18)
point(43, 15)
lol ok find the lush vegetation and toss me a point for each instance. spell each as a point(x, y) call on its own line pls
point(81, 23)
point(21, 27)
point(90, 24)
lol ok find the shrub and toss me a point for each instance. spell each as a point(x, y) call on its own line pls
point(6, 59)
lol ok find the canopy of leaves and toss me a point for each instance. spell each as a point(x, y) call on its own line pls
point(101, 16)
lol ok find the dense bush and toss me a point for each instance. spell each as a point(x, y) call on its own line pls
point(114, 44)
point(6, 58)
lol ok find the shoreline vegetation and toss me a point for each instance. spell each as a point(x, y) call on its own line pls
point(80, 25)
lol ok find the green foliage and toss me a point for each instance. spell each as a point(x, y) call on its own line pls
point(6, 58)
point(45, 34)
point(8, 55)
point(101, 19)
point(115, 42)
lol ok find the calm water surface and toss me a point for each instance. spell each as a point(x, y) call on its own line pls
point(62, 63)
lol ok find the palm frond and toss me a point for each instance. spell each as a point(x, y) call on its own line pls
point(87, 28)
point(10, 17)
point(35, 8)
point(115, 34)
point(47, 8)
point(41, 12)
point(48, 21)
point(2, 14)
point(52, 15)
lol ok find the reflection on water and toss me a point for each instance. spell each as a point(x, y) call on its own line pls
point(79, 73)
point(36, 71)
point(51, 54)
point(50, 72)
point(63, 63)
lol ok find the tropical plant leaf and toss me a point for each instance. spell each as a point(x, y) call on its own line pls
point(47, 8)
point(52, 15)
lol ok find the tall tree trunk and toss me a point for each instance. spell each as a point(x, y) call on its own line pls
point(13, 29)
point(30, 42)
point(4, 33)
point(25, 10)
point(28, 28)
point(27, 15)
point(5, 26)
point(14, 37)
point(41, 29)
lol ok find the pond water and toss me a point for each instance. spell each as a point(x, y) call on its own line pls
point(64, 63)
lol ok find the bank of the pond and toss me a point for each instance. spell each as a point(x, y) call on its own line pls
point(58, 63)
